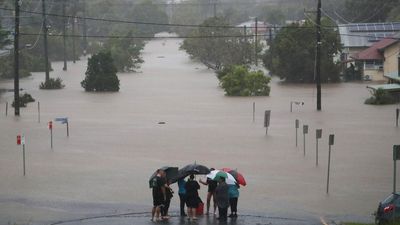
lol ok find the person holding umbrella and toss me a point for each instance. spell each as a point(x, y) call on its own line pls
point(159, 194)
point(212, 185)
point(222, 198)
point(192, 197)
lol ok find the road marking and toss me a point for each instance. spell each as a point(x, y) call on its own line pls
point(323, 221)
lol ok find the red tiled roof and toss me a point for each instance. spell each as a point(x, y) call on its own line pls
point(373, 52)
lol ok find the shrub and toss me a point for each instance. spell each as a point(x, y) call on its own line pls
point(52, 84)
point(239, 81)
point(380, 97)
point(101, 73)
point(23, 100)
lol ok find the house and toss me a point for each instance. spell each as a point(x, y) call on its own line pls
point(372, 59)
point(263, 29)
point(391, 65)
point(356, 37)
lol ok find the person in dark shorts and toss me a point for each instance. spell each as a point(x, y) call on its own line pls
point(212, 185)
point(159, 194)
point(222, 199)
point(192, 197)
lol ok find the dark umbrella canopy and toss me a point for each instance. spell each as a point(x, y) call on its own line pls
point(191, 169)
point(170, 172)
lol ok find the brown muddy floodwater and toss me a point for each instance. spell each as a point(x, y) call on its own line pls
point(116, 143)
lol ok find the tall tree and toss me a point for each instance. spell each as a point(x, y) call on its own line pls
point(148, 11)
point(126, 52)
point(292, 54)
point(216, 44)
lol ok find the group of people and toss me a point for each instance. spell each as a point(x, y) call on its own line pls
point(222, 195)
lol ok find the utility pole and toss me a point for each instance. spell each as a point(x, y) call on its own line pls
point(16, 59)
point(84, 28)
point(46, 53)
point(255, 43)
point(245, 41)
point(215, 8)
point(318, 57)
point(64, 38)
point(73, 34)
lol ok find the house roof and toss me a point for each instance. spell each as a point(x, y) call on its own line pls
point(373, 52)
point(366, 34)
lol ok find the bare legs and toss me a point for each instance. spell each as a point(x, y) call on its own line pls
point(209, 196)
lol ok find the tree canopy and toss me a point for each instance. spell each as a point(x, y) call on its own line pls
point(239, 81)
point(292, 54)
point(218, 45)
point(101, 73)
point(126, 52)
point(147, 11)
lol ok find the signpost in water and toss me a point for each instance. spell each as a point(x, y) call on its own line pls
point(63, 120)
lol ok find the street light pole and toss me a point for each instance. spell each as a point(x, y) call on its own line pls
point(16, 59)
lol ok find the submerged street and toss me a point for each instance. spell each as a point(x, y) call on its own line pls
point(116, 142)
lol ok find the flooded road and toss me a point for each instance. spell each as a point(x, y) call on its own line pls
point(116, 142)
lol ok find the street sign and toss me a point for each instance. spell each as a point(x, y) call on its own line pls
point(63, 120)
point(297, 123)
point(18, 139)
point(319, 133)
point(396, 152)
point(267, 118)
point(305, 129)
point(331, 139)
point(396, 156)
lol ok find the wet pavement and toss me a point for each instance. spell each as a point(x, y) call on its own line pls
point(116, 143)
point(139, 218)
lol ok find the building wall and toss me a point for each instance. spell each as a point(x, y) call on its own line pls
point(374, 74)
point(391, 54)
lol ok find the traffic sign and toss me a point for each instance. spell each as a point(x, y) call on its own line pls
point(18, 139)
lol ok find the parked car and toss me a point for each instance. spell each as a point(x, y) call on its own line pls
point(388, 209)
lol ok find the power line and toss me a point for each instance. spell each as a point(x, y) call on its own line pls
point(177, 37)
point(153, 23)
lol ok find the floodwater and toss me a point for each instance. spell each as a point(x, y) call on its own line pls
point(116, 142)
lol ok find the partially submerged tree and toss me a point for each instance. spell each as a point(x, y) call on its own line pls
point(239, 81)
point(126, 52)
point(217, 44)
point(292, 53)
point(101, 73)
point(150, 12)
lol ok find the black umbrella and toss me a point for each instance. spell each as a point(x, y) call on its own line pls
point(170, 172)
point(190, 169)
